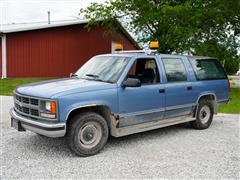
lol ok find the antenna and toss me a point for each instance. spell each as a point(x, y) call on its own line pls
point(49, 17)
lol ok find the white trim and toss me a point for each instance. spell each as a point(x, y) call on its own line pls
point(4, 56)
point(113, 46)
point(180, 106)
point(35, 26)
point(140, 113)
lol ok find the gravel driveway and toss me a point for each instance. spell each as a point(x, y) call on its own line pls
point(173, 152)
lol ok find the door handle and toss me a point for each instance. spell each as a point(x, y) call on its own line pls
point(189, 88)
point(161, 90)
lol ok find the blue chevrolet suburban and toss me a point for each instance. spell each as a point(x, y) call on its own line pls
point(120, 94)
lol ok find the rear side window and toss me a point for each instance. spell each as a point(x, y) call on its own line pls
point(208, 69)
point(175, 70)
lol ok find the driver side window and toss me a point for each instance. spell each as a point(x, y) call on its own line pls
point(145, 70)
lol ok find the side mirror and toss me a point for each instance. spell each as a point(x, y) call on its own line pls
point(131, 82)
point(72, 75)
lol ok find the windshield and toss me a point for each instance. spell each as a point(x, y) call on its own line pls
point(102, 68)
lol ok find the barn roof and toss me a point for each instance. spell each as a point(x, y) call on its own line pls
point(11, 28)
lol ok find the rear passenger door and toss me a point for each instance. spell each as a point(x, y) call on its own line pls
point(178, 88)
point(210, 79)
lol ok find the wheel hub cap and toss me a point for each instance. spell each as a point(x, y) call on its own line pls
point(204, 114)
point(90, 134)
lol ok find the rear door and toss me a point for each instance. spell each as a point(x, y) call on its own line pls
point(178, 88)
point(210, 79)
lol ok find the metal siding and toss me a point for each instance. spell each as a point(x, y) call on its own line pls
point(121, 38)
point(55, 52)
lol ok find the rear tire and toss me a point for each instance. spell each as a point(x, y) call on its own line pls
point(87, 134)
point(204, 115)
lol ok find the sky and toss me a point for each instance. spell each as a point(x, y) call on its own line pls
point(27, 11)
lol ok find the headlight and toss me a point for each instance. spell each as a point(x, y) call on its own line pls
point(48, 105)
point(49, 109)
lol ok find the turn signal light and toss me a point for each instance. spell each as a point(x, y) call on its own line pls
point(154, 45)
point(53, 107)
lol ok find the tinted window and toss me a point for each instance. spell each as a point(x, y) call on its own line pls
point(175, 70)
point(145, 70)
point(206, 69)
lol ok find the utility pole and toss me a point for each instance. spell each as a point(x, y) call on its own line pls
point(48, 17)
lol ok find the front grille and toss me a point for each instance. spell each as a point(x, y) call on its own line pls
point(26, 105)
point(25, 110)
point(18, 107)
point(27, 100)
point(18, 98)
point(34, 102)
point(34, 112)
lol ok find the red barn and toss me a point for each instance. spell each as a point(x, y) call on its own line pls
point(55, 50)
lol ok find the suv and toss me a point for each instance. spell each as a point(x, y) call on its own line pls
point(120, 94)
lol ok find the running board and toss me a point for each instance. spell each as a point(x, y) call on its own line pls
point(118, 132)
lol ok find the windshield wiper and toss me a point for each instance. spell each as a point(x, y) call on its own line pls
point(92, 75)
point(103, 81)
point(73, 76)
point(96, 78)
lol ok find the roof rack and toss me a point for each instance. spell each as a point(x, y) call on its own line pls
point(149, 51)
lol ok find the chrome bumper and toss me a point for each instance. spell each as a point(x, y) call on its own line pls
point(50, 129)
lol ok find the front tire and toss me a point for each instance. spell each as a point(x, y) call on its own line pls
point(204, 115)
point(87, 134)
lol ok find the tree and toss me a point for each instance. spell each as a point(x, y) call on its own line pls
point(202, 27)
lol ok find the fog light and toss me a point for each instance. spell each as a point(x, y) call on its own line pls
point(48, 115)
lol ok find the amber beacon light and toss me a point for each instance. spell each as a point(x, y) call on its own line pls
point(118, 47)
point(154, 45)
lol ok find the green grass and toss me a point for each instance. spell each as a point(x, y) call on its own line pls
point(234, 105)
point(8, 85)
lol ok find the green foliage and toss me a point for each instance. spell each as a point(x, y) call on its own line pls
point(234, 104)
point(231, 65)
point(198, 27)
point(228, 57)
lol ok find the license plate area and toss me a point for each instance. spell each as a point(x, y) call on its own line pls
point(16, 125)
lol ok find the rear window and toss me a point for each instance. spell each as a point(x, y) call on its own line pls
point(208, 69)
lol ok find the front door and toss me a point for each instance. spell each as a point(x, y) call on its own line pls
point(145, 103)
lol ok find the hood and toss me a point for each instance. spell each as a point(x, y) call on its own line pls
point(48, 89)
